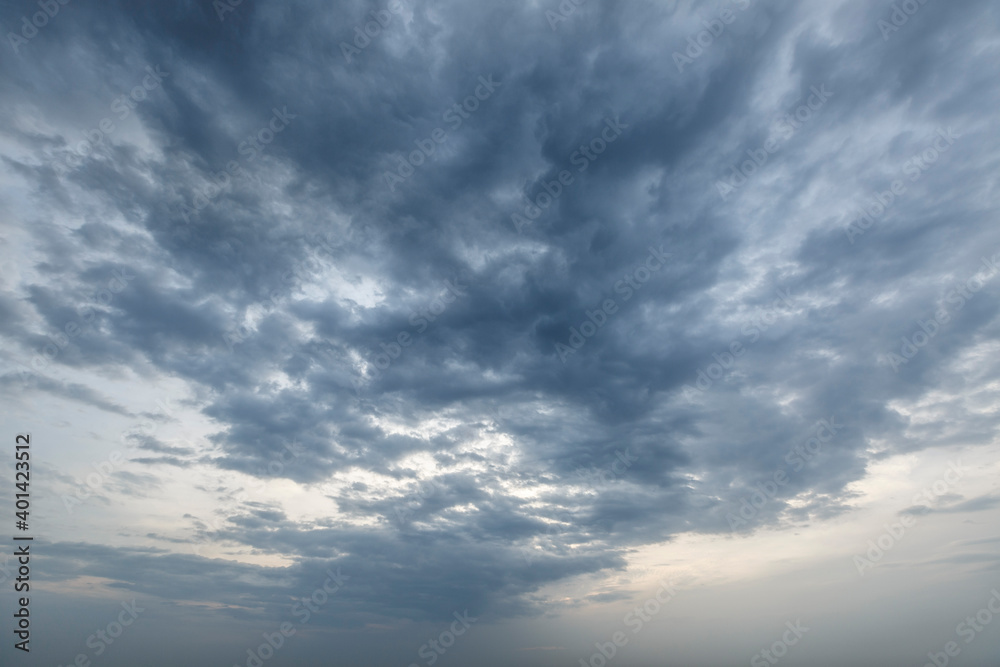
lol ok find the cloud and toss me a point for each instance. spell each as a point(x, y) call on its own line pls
point(277, 304)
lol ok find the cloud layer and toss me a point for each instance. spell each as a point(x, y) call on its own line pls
point(433, 284)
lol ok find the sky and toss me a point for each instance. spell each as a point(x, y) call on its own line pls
point(429, 332)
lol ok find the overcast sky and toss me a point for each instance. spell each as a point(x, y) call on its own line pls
point(646, 333)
